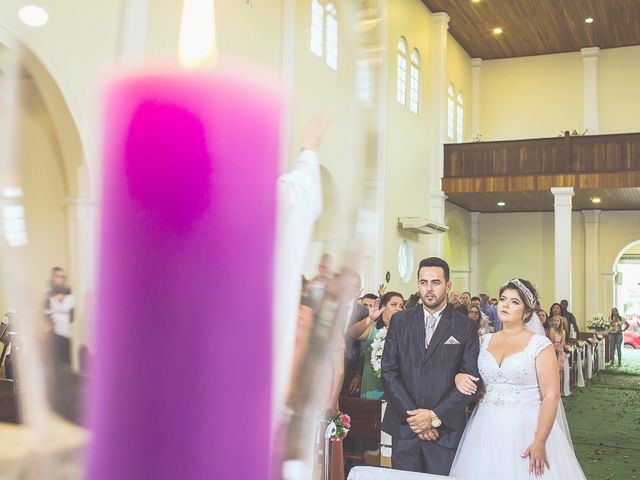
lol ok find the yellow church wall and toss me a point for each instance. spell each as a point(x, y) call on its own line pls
point(407, 157)
point(516, 245)
point(531, 97)
point(619, 95)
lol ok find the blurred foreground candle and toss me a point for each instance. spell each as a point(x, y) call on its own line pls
point(182, 375)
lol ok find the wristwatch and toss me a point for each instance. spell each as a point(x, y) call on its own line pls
point(435, 421)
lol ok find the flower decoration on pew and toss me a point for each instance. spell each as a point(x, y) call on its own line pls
point(375, 351)
point(598, 322)
point(342, 423)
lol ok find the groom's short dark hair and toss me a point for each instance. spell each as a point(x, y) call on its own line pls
point(435, 262)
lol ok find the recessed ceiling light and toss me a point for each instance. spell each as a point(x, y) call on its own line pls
point(497, 31)
point(588, 20)
point(475, 1)
point(33, 16)
point(596, 200)
point(501, 204)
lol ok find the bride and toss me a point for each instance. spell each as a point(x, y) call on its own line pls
point(513, 432)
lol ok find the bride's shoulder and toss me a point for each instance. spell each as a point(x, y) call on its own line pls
point(539, 342)
point(485, 338)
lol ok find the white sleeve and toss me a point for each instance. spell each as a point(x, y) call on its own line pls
point(302, 186)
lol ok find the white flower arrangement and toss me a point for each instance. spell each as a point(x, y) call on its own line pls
point(377, 346)
point(598, 322)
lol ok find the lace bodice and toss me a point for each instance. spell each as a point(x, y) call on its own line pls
point(515, 382)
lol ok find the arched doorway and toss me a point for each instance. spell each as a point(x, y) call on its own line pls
point(626, 284)
point(47, 173)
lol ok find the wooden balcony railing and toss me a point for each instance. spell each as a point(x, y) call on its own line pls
point(545, 156)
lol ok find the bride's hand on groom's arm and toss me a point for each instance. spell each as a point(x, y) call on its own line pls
point(537, 454)
point(465, 383)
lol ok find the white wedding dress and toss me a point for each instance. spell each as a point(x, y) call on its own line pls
point(505, 420)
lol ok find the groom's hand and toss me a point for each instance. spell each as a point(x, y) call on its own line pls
point(419, 420)
point(430, 435)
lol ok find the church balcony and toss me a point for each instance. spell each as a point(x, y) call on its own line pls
point(521, 173)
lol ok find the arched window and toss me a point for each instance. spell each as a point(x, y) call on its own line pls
point(451, 111)
point(414, 81)
point(332, 36)
point(401, 79)
point(459, 119)
point(317, 28)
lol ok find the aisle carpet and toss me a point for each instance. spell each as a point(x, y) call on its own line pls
point(604, 419)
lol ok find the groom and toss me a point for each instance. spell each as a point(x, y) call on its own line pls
point(425, 348)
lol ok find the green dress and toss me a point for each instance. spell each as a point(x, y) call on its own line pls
point(371, 387)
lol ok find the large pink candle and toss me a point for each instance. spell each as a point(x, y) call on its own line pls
point(182, 386)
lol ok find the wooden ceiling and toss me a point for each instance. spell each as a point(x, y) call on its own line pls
point(538, 27)
point(542, 200)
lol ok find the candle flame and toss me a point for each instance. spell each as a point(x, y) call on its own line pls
point(197, 44)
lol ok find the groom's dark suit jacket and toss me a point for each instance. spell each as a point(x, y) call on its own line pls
point(415, 377)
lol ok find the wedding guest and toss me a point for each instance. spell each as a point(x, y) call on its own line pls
point(353, 360)
point(556, 310)
point(465, 300)
point(454, 299)
point(564, 305)
point(365, 331)
point(493, 301)
point(485, 320)
point(557, 336)
point(491, 312)
point(544, 319)
point(60, 311)
point(618, 325)
point(412, 301)
point(476, 315)
point(369, 300)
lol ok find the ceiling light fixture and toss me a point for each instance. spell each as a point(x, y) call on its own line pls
point(497, 31)
point(475, 1)
point(501, 204)
point(596, 200)
point(33, 15)
point(588, 20)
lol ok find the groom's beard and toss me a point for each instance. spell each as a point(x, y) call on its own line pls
point(430, 300)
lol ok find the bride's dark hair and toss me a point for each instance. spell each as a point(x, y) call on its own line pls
point(527, 293)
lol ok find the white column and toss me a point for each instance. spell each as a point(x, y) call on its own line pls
point(438, 97)
point(607, 287)
point(591, 115)
point(474, 260)
point(82, 223)
point(476, 69)
point(591, 262)
point(438, 125)
point(562, 232)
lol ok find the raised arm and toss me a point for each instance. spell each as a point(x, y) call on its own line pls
point(362, 329)
point(549, 381)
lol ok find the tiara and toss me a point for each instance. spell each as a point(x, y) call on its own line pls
point(530, 299)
